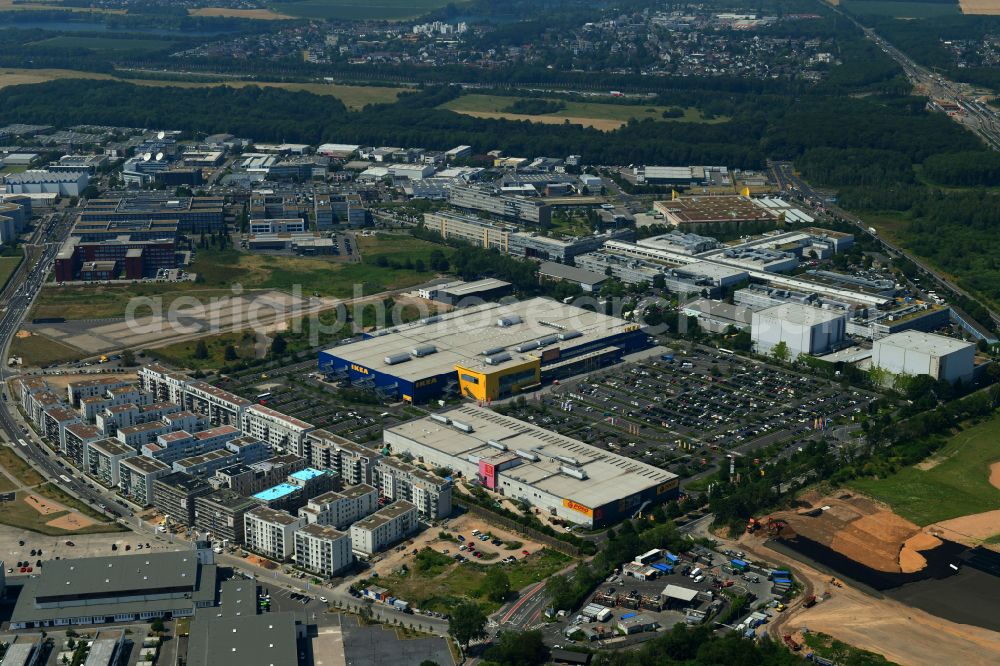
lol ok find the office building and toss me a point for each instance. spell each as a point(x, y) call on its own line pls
point(125, 588)
point(802, 328)
point(516, 208)
point(484, 352)
point(270, 532)
point(322, 550)
point(559, 475)
point(384, 528)
point(919, 353)
point(693, 212)
point(470, 229)
point(191, 214)
point(627, 269)
point(589, 281)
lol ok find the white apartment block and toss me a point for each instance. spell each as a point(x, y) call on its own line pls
point(430, 493)
point(102, 458)
point(384, 528)
point(136, 476)
point(341, 509)
point(322, 550)
point(271, 532)
point(284, 433)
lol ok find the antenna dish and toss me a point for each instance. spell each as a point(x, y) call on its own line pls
point(147, 156)
point(161, 135)
point(159, 156)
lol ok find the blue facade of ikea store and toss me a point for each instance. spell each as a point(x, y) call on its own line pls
point(432, 386)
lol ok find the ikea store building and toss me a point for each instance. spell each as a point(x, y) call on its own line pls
point(486, 352)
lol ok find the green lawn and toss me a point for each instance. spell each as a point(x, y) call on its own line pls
point(957, 485)
point(443, 589)
point(612, 114)
point(39, 350)
point(103, 43)
point(842, 653)
point(909, 10)
point(7, 267)
point(19, 469)
point(182, 354)
point(358, 10)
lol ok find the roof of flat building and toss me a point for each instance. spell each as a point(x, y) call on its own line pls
point(112, 447)
point(90, 576)
point(275, 414)
point(322, 531)
point(276, 492)
point(384, 515)
point(607, 476)
point(460, 337)
point(929, 343)
point(308, 474)
point(245, 640)
point(796, 313)
point(270, 515)
point(144, 464)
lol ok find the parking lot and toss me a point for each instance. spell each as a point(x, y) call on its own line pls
point(691, 408)
point(303, 395)
point(706, 574)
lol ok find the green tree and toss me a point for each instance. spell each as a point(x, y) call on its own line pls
point(230, 353)
point(780, 351)
point(516, 648)
point(560, 591)
point(201, 350)
point(128, 358)
point(278, 345)
point(496, 586)
point(157, 625)
point(467, 623)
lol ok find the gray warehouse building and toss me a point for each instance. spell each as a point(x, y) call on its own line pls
point(803, 328)
point(919, 353)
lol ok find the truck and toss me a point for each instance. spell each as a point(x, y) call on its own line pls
point(399, 604)
point(810, 601)
point(790, 642)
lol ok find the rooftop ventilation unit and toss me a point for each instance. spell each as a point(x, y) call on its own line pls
point(548, 340)
point(527, 455)
point(575, 472)
point(491, 351)
point(509, 320)
point(500, 446)
point(569, 460)
point(527, 346)
point(395, 359)
point(464, 427)
point(569, 335)
point(430, 320)
point(497, 359)
point(423, 350)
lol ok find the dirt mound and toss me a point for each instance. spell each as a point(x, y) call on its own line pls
point(995, 474)
point(968, 530)
point(44, 506)
point(862, 530)
point(71, 522)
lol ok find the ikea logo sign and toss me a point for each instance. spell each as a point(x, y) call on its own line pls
point(358, 368)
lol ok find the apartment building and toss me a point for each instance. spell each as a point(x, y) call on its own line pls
point(136, 477)
point(102, 459)
point(399, 480)
point(271, 532)
point(352, 462)
point(174, 495)
point(385, 527)
point(322, 550)
point(220, 513)
point(285, 434)
point(340, 509)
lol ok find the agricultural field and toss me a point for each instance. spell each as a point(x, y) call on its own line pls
point(985, 7)
point(388, 10)
point(104, 43)
point(956, 481)
point(901, 10)
point(354, 97)
point(602, 116)
point(231, 12)
point(12, 6)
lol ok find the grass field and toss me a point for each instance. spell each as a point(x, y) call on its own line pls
point(442, 589)
point(590, 114)
point(354, 97)
point(104, 43)
point(181, 354)
point(953, 482)
point(900, 9)
point(104, 302)
point(19, 469)
point(38, 351)
point(19, 514)
point(389, 10)
point(7, 267)
point(11, 6)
